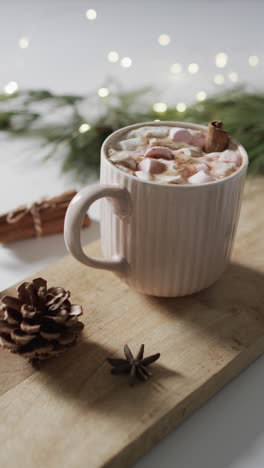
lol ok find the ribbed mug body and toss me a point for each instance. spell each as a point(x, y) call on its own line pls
point(177, 239)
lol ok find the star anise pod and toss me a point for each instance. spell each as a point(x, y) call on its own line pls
point(136, 367)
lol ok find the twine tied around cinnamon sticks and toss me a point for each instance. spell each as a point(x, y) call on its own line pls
point(41, 218)
point(34, 209)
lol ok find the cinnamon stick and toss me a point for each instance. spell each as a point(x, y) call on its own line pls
point(217, 139)
point(52, 227)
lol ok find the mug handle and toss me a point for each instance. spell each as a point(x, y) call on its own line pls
point(74, 217)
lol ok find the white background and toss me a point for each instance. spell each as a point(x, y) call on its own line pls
point(68, 53)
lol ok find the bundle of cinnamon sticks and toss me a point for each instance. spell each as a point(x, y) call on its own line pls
point(41, 218)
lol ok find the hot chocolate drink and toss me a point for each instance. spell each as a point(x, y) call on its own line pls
point(174, 155)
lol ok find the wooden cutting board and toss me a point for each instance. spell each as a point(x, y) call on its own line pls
point(73, 412)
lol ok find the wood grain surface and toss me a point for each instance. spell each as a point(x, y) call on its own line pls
point(71, 412)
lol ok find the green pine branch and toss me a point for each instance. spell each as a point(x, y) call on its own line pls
point(241, 111)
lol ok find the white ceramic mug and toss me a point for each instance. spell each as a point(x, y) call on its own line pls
point(163, 240)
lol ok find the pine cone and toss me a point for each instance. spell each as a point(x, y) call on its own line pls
point(41, 322)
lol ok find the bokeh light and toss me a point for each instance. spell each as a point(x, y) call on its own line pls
point(219, 79)
point(11, 87)
point(23, 42)
point(91, 14)
point(84, 128)
point(176, 68)
point(113, 56)
point(201, 96)
point(221, 59)
point(160, 107)
point(193, 68)
point(103, 92)
point(181, 107)
point(126, 62)
point(233, 76)
point(253, 60)
point(164, 39)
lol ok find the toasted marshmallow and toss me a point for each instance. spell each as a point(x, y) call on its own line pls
point(123, 159)
point(180, 134)
point(144, 175)
point(124, 169)
point(152, 166)
point(198, 139)
point(131, 143)
point(200, 177)
point(230, 156)
point(158, 152)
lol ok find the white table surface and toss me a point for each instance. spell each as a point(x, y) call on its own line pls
point(227, 432)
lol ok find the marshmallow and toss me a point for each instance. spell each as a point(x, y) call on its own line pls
point(173, 145)
point(171, 179)
point(230, 156)
point(144, 175)
point(200, 177)
point(202, 167)
point(198, 139)
point(170, 165)
point(223, 169)
point(212, 156)
point(158, 132)
point(123, 160)
point(186, 153)
point(180, 134)
point(131, 143)
point(182, 155)
point(152, 166)
point(158, 152)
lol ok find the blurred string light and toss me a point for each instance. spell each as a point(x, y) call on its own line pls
point(85, 127)
point(103, 92)
point(176, 68)
point(181, 107)
point(11, 87)
point(23, 42)
point(219, 79)
point(91, 14)
point(221, 59)
point(160, 107)
point(126, 62)
point(113, 56)
point(253, 60)
point(157, 120)
point(201, 96)
point(193, 68)
point(233, 76)
point(164, 40)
